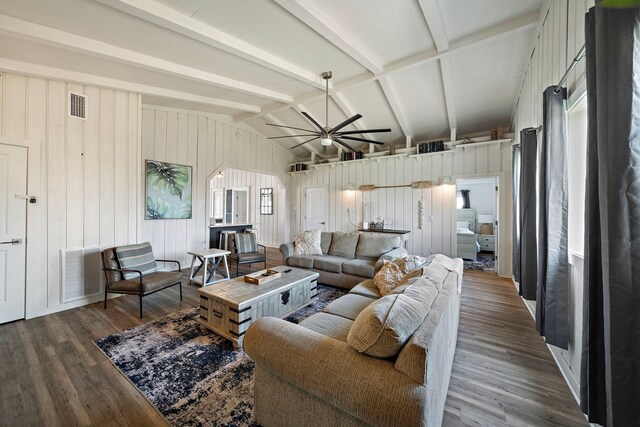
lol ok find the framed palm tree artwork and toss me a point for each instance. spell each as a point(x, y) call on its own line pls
point(168, 190)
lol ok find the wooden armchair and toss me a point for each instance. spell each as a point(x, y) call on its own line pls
point(244, 249)
point(132, 270)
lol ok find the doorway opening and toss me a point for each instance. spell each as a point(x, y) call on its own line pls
point(476, 223)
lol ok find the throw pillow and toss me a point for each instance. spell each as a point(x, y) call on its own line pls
point(136, 257)
point(388, 277)
point(411, 262)
point(307, 243)
point(384, 326)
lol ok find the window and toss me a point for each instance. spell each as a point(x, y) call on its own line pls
point(266, 201)
point(459, 200)
point(576, 173)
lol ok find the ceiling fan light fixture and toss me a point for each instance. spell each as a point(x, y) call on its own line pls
point(326, 141)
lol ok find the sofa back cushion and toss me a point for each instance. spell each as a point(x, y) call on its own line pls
point(325, 242)
point(136, 257)
point(372, 246)
point(385, 326)
point(344, 244)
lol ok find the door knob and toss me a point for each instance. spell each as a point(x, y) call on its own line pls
point(322, 223)
point(12, 242)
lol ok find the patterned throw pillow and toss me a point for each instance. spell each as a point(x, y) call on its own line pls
point(307, 243)
point(397, 272)
point(136, 257)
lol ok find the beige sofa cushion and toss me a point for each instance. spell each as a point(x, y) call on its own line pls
point(373, 246)
point(384, 326)
point(328, 324)
point(329, 263)
point(307, 243)
point(367, 289)
point(302, 261)
point(359, 267)
point(344, 244)
point(348, 306)
point(325, 242)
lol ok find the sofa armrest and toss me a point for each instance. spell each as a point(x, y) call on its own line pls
point(366, 387)
point(287, 250)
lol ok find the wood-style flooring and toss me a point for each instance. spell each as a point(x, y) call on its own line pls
point(52, 374)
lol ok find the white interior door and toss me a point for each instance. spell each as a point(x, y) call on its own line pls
point(241, 206)
point(13, 221)
point(315, 210)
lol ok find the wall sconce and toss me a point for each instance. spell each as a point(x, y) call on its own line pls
point(220, 174)
point(351, 187)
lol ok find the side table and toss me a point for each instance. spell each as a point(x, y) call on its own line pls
point(209, 263)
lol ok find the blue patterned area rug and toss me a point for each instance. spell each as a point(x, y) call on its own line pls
point(484, 262)
point(190, 374)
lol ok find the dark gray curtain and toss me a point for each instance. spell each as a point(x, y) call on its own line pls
point(466, 203)
point(552, 298)
point(528, 239)
point(515, 170)
point(610, 378)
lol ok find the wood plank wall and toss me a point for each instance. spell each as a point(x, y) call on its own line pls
point(560, 39)
point(87, 182)
point(207, 144)
point(272, 229)
point(400, 205)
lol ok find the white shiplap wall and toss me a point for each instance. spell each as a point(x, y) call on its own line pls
point(561, 37)
point(84, 174)
point(207, 143)
point(272, 229)
point(400, 205)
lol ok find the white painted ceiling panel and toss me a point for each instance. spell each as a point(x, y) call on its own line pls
point(421, 96)
point(463, 17)
point(499, 66)
point(266, 25)
point(391, 30)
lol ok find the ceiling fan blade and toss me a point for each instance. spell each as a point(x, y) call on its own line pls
point(356, 132)
point(313, 121)
point(345, 123)
point(353, 138)
point(344, 144)
point(302, 143)
point(289, 127)
point(292, 136)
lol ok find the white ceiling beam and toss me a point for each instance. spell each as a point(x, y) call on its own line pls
point(395, 106)
point(516, 25)
point(159, 14)
point(307, 12)
point(91, 79)
point(435, 22)
point(310, 148)
point(18, 28)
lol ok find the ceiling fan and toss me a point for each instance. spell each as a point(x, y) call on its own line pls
point(329, 135)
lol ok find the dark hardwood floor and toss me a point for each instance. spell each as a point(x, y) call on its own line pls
point(52, 374)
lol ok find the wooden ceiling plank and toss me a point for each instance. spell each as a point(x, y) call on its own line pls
point(43, 71)
point(307, 12)
point(159, 14)
point(25, 30)
point(392, 99)
point(508, 28)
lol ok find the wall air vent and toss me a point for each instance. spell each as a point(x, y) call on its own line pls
point(77, 105)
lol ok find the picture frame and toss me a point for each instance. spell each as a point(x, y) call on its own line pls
point(168, 190)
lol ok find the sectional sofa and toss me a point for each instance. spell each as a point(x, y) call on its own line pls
point(327, 372)
point(347, 258)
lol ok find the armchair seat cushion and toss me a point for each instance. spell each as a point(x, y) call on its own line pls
point(329, 263)
point(251, 257)
point(150, 282)
point(359, 267)
point(301, 261)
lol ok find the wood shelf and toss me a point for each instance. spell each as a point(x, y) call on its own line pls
point(419, 156)
point(482, 143)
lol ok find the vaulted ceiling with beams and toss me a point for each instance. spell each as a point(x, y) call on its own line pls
point(424, 68)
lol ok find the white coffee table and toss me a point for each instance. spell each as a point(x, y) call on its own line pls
point(209, 263)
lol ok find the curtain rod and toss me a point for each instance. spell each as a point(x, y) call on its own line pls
point(575, 61)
